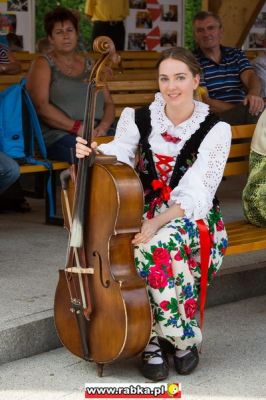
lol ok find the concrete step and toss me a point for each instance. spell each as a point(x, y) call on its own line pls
point(35, 332)
point(232, 363)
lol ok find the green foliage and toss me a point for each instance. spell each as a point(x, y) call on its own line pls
point(191, 9)
point(42, 7)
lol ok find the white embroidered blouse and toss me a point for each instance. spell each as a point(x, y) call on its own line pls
point(197, 187)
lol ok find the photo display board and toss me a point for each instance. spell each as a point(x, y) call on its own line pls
point(18, 17)
point(154, 24)
point(257, 35)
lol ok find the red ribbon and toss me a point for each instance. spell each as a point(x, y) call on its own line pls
point(205, 250)
point(170, 138)
point(165, 190)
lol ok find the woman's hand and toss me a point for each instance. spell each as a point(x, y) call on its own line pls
point(82, 150)
point(151, 226)
point(148, 230)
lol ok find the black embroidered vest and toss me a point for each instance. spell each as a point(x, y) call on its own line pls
point(146, 167)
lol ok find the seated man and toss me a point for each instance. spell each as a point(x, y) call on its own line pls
point(233, 88)
point(11, 193)
point(8, 64)
point(9, 172)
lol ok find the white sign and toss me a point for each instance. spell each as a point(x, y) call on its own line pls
point(154, 24)
point(18, 16)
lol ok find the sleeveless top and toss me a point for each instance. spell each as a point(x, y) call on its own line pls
point(68, 93)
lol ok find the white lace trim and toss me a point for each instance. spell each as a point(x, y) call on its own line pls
point(160, 122)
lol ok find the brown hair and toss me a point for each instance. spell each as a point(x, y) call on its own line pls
point(181, 54)
point(59, 14)
point(202, 15)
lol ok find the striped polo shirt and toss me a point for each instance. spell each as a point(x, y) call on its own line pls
point(223, 80)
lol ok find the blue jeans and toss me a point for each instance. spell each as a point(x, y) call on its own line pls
point(61, 150)
point(9, 172)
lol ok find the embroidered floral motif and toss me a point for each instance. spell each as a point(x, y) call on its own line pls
point(191, 161)
point(190, 308)
point(142, 164)
point(161, 256)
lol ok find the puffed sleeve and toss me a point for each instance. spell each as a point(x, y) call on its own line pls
point(126, 140)
point(196, 189)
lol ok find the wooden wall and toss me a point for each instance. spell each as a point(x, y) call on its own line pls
point(238, 16)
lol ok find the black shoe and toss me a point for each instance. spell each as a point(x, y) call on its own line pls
point(154, 372)
point(185, 365)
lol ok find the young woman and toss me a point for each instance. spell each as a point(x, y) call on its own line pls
point(56, 83)
point(183, 153)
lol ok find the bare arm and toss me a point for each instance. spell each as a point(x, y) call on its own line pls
point(108, 115)
point(151, 226)
point(217, 106)
point(13, 67)
point(38, 85)
point(253, 86)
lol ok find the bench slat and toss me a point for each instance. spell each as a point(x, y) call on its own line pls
point(243, 131)
point(57, 165)
point(132, 64)
point(246, 247)
point(129, 85)
point(243, 237)
point(236, 168)
point(239, 150)
point(133, 99)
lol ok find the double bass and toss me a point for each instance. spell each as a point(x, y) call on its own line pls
point(101, 307)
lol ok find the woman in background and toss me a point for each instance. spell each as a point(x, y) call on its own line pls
point(56, 83)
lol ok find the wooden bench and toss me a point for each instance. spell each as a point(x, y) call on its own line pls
point(5, 82)
point(132, 93)
point(242, 236)
point(36, 169)
point(135, 65)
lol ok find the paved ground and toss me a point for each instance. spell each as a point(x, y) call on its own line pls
point(232, 365)
point(233, 362)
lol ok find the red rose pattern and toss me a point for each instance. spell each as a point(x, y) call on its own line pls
point(157, 278)
point(190, 308)
point(164, 305)
point(161, 256)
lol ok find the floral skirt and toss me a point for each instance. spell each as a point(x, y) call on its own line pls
point(170, 264)
point(254, 194)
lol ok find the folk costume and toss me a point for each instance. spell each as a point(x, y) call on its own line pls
point(178, 164)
